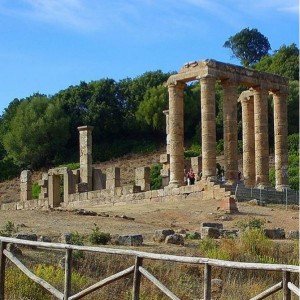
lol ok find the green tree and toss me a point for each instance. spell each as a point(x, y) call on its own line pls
point(249, 46)
point(284, 62)
point(37, 132)
point(150, 110)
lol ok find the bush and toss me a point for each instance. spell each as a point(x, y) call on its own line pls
point(9, 229)
point(19, 286)
point(252, 223)
point(36, 190)
point(293, 143)
point(98, 237)
point(220, 147)
point(71, 166)
point(155, 177)
point(76, 239)
point(194, 150)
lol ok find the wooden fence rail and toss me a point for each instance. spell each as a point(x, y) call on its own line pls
point(138, 270)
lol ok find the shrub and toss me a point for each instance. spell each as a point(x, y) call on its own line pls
point(9, 229)
point(71, 166)
point(19, 286)
point(194, 150)
point(254, 242)
point(36, 190)
point(293, 143)
point(220, 147)
point(155, 177)
point(76, 239)
point(251, 223)
point(98, 237)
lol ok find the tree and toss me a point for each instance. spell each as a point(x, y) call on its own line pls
point(249, 46)
point(284, 62)
point(150, 110)
point(37, 132)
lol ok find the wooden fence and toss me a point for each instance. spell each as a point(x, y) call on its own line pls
point(138, 270)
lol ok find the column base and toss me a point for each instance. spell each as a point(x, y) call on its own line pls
point(175, 184)
point(281, 188)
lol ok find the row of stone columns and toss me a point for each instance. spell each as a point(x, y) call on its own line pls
point(255, 133)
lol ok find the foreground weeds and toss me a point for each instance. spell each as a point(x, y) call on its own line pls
point(186, 281)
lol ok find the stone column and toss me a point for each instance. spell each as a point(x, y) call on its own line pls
point(85, 148)
point(176, 133)
point(230, 131)
point(142, 178)
point(54, 190)
point(248, 141)
point(26, 185)
point(261, 136)
point(281, 140)
point(208, 121)
point(113, 177)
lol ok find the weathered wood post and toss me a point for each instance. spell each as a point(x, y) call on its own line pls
point(68, 273)
point(286, 278)
point(207, 282)
point(137, 279)
point(2, 269)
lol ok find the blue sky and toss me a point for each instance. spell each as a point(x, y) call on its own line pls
point(48, 45)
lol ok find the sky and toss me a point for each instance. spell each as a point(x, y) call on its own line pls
point(48, 45)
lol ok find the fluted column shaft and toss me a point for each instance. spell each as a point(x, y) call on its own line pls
point(281, 140)
point(176, 133)
point(230, 131)
point(208, 126)
point(248, 142)
point(261, 137)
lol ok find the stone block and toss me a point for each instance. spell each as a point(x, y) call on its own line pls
point(130, 189)
point(99, 179)
point(160, 235)
point(275, 233)
point(113, 173)
point(210, 232)
point(81, 187)
point(164, 158)
point(293, 235)
point(228, 205)
point(213, 225)
point(130, 240)
point(176, 239)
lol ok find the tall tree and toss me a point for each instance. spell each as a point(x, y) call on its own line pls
point(284, 62)
point(249, 46)
point(37, 132)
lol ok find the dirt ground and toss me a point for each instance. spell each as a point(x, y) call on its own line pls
point(187, 214)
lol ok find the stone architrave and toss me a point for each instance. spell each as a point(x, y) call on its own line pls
point(142, 178)
point(85, 144)
point(176, 133)
point(208, 122)
point(230, 131)
point(281, 139)
point(261, 136)
point(248, 138)
point(26, 185)
point(113, 178)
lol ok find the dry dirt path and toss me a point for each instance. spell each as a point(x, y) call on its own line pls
point(188, 214)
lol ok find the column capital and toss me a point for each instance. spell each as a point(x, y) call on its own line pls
point(208, 76)
point(85, 128)
point(177, 84)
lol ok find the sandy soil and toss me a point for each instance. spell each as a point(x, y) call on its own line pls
point(188, 215)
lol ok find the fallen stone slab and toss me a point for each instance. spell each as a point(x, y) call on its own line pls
point(130, 240)
point(161, 234)
point(275, 233)
point(176, 239)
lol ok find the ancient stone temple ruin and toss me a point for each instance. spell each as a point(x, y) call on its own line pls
point(62, 187)
point(254, 103)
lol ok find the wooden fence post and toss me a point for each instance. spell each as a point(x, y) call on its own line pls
point(2, 269)
point(207, 282)
point(137, 279)
point(286, 278)
point(68, 273)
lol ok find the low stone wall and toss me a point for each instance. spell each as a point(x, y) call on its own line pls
point(127, 195)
